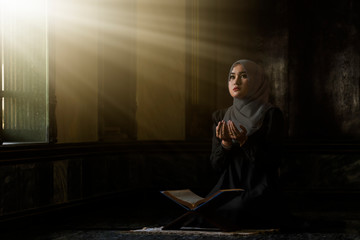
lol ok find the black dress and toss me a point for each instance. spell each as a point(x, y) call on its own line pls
point(253, 167)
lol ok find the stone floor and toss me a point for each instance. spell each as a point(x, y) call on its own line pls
point(117, 219)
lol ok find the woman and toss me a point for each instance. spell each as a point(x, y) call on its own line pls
point(245, 148)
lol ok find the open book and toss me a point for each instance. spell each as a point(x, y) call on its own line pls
point(191, 201)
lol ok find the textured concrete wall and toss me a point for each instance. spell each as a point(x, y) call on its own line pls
point(324, 69)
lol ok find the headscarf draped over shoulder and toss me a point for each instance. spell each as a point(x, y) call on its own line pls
point(250, 111)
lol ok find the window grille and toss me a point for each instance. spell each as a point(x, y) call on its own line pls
point(24, 71)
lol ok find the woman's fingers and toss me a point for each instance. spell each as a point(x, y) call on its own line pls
point(233, 130)
point(243, 129)
point(244, 137)
point(227, 130)
point(237, 133)
point(224, 132)
point(218, 129)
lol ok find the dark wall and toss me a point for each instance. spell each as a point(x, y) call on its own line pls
point(324, 69)
point(309, 51)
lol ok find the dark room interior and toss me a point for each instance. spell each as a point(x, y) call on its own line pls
point(105, 103)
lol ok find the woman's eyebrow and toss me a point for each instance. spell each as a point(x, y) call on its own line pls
point(238, 73)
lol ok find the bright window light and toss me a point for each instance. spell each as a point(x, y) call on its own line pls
point(25, 8)
point(24, 70)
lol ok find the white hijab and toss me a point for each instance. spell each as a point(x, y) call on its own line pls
point(250, 111)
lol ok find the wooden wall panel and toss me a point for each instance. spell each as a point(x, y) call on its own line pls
point(75, 179)
point(8, 189)
point(61, 176)
point(61, 181)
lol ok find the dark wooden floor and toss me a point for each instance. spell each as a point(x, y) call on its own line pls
point(112, 218)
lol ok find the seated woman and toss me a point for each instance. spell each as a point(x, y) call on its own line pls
point(245, 149)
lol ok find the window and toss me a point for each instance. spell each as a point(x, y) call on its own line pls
point(24, 71)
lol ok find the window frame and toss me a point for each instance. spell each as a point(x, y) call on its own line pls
point(50, 105)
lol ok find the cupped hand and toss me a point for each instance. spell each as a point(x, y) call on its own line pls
point(226, 131)
point(236, 134)
point(222, 131)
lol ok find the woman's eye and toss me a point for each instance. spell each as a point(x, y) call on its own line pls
point(243, 76)
point(232, 77)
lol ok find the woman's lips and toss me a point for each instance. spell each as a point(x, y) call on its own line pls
point(236, 89)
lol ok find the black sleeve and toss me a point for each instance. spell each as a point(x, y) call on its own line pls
point(264, 148)
point(275, 128)
point(218, 157)
point(265, 145)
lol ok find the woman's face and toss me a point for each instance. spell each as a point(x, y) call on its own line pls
point(238, 82)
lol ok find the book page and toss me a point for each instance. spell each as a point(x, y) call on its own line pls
point(186, 196)
point(187, 199)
